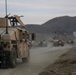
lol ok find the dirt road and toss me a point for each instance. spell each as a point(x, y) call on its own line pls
point(39, 59)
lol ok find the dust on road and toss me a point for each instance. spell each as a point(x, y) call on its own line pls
point(39, 59)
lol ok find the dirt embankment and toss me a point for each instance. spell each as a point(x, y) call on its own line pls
point(65, 65)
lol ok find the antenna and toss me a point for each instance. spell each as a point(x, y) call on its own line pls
point(6, 17)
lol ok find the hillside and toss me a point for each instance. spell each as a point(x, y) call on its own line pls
point(37, 28)
point(65, 65)
point(63, 24)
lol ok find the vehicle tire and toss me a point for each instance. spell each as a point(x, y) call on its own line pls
point(13, 58)
point(26, 59)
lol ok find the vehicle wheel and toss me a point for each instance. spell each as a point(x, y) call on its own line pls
point(26, 59)
point(13, 57)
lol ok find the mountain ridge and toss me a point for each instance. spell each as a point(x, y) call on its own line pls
point(62, 24)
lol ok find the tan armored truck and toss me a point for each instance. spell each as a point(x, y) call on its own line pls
point(14, 41)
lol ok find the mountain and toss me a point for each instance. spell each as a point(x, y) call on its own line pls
point(63, 24)
point(34, 28)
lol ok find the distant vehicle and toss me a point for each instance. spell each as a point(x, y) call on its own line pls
point(58, 43)
point(14, 41)
point(70, 42)
point(42, 44)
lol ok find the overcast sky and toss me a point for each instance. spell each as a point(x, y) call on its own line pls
point(39, 11)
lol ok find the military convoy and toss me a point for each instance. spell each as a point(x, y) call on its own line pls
point(14, 41)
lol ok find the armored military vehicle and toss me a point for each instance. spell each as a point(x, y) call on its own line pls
point(14, 41)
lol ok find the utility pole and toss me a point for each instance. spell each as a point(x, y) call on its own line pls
point(6, 17)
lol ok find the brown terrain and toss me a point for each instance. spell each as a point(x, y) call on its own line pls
point(65, 65)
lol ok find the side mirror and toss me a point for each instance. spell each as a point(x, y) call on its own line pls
point(32, 36)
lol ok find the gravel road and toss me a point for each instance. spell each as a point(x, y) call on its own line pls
point(40, 58)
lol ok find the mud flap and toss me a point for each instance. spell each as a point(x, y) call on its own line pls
point(13, 58)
